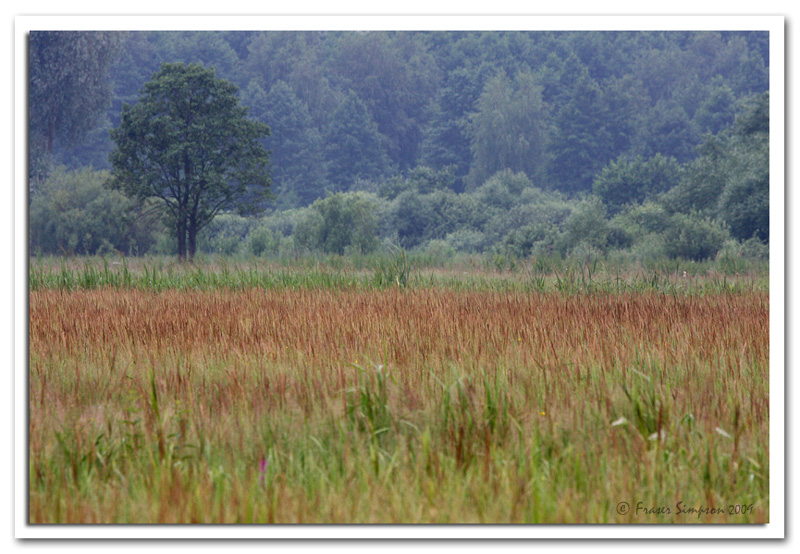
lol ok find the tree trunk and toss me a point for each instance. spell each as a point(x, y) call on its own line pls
point(192, 236)
point(180, 226)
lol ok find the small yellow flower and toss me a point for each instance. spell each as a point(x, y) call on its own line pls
point(541, 413)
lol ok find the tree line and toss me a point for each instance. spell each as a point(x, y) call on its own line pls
point(441, 138)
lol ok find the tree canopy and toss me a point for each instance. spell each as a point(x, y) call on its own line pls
point(471, 140)
point(189, 143)
point(69, 87)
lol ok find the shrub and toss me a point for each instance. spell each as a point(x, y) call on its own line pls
point(503, 189)
point(535, 238)
point(587, 226)
point(73, 212)
point(693, 237)
point(648, 248)
point(262, 241)
point(467, 240)
point(412, 216)
point(225, 235)
point(438, 250)
point(633, 181)
point(342, 222)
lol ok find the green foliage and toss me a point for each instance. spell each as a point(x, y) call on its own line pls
point(343, 222)
point(421, 180)
point(73, 213)
point(263, 241)
point(532, 224)
point(412, 216)
point(702, 182)
point(503, 189)
point(634, 181)
point(393, 270)
point(535, 238)
point(509, 129)
point(355, 147)
point(586, 226)
point(693, 237)
point(744, 203)
point(654, 124)
point(295, 144)
point(417, 218)
point(188, 143)
point(395, 77)
point(467, 240)
point(717, 110)
point(667, 130)
point(585, 138)
point(445, 137)
point(730, 178)
point(650, 217)
point(367, 406)
point(225, 236)
point(69, 88)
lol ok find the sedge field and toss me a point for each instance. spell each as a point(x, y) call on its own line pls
point(382, 394)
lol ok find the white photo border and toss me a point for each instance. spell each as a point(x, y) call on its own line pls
point(774, 24)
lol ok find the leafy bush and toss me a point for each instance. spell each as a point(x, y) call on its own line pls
point(73, 212)
point(342, 222)
point(633, 181)
point(586, 225)
point(693, 237)
point(262, 241)
point(467, 240)
point(754, 249)
point(535, 238)
point(648, 248)
point(225, 235)
point(412, 217)
point(738, 257)
point(421, 180)
point(502, 190)
point(439, 250)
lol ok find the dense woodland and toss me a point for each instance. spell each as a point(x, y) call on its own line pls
point(641, 144)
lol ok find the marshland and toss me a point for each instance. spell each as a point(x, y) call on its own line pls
point(403, 277)
point(232, 394)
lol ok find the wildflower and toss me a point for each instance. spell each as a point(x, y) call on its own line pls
point(262, 468)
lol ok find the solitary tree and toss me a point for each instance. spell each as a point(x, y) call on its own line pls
point(189, 143)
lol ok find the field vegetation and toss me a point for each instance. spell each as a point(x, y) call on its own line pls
point(381, 389)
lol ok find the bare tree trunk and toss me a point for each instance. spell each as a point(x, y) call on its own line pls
point(192, 236)
point(181, 230)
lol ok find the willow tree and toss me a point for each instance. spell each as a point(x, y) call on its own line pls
point(188, 143)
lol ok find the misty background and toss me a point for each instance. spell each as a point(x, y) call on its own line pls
point(640, 145)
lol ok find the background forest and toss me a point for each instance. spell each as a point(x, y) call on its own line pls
point(641, 145)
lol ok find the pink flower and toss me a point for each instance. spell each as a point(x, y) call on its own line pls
point(262, 468)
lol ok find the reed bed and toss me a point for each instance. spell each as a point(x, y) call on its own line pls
point(397, 405)
point(381, 272)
